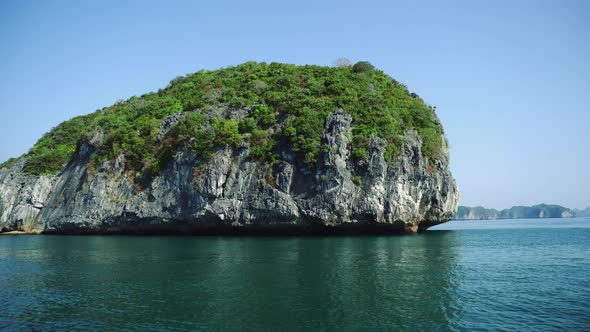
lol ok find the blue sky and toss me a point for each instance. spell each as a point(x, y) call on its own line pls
point(510, 79)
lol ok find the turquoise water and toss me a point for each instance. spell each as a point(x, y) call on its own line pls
point(508, 275)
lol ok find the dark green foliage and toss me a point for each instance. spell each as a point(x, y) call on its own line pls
point(357, 180)
point(262, 146)
point(362, 66)
point(131, 128)
point(304, 127)
point(226, 132)
point(247, 125)
point(55, 148)
point(432, 141)
point(287, 103)
point(8, 163)
point(193, 131)
point(360, 154)
point(264, 116)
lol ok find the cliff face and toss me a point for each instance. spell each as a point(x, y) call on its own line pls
point(232, 192)
point(515, 212)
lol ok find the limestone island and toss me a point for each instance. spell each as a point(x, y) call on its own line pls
point(252, 149)
point(538, 211)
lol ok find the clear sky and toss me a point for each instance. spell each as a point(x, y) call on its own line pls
point(510, 79)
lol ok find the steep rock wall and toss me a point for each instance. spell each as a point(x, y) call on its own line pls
point(231, 192)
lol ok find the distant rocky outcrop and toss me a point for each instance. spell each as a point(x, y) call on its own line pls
point(475, 213)
point(515, 212)
point(582, 213)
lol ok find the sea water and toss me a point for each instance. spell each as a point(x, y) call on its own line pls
point(487, 275)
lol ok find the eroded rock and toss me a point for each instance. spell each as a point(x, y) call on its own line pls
point(233, 192)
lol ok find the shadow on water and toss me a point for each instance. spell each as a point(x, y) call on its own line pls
point(220, 283)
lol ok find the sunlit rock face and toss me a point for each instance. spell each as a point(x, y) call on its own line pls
point(234, 193)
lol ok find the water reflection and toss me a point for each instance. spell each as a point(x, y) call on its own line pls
point(220, 283)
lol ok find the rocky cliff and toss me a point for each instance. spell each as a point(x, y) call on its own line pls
point(229, 191)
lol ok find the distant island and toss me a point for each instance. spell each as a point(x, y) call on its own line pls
point(515, 212)
point(582, 213)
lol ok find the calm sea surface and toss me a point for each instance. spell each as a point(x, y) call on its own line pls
point(486, 275)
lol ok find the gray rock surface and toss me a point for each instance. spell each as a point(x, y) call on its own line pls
point(233, 192)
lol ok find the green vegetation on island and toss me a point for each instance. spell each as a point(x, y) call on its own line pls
point(286, 104)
